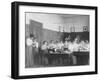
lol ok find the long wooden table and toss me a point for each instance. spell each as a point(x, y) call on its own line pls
point(82, 58)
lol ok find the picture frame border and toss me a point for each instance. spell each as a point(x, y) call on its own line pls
point(15, 38)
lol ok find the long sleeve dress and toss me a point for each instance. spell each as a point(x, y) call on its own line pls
point(29, 55)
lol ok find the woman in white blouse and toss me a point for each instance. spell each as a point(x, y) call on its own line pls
point(29, 55)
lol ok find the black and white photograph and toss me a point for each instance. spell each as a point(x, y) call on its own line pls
point(50, 40)
point(53, 40)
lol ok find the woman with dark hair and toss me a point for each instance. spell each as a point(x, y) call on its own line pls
point(51, 47)
point(44, 47)
point(29, 54)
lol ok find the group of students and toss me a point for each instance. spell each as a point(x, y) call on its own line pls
point(58, 46)
point(64, 47)
point(53, 47)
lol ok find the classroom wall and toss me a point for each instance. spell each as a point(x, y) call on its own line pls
point(46, 26)
point(41, 34)
point(50, 25)
point(49, 21)
point(53, 21)
point(51, 35)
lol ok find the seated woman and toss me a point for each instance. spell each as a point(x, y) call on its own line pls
point(44, 47)
point(51, 47)
point(66, 47)
point(87, 45)
point(59, 46)
point(84, 46)
point(76, 44)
